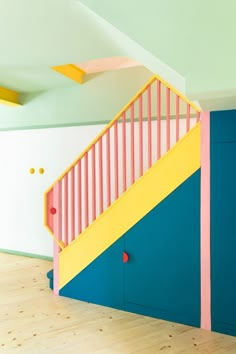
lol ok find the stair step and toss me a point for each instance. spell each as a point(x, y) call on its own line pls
point(50, 277)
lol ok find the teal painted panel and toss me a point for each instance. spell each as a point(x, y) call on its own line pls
point(223, 126)
point(50, 278)
point(162, 277)
point(102, 281)
point(223, 236)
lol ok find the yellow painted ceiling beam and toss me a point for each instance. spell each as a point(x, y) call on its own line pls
point(71, 71)
point(9, 97)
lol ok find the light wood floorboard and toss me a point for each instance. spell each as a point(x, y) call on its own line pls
point(33, 320)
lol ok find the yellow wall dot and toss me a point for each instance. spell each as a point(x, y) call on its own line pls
point(31, 170)
point(41, 170)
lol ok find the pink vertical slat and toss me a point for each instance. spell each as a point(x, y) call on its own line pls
point(124, 150)
point(188, 118)
point(205, 223)
point(86, 197)
point(132, 142)
point(100, 177)
point(59, 210)
point(108, 168)
point(57, 204)
point(167, 119)
point(141, 135)
point(158, 119)
point(66, 209)
point(56, 251)
point(57, 230)
point(72, 204)
point(177, 119)
point(116, 160)
point(149, 114)
point(198, 116)
point(79, 198)
point(93, 184)
point(49, 205)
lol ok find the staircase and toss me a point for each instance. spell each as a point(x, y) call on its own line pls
point(144, 154)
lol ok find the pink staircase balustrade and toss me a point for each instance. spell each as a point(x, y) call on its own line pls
point(153, 121)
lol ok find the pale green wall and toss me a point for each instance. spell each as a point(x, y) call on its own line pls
point(195, 38)
point(98, 100)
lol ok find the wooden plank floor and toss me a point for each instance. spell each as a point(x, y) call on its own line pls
point(33, 320)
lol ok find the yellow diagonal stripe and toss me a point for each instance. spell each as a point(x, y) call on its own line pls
point(157, 183)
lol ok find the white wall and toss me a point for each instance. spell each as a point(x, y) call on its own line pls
point(21, 202)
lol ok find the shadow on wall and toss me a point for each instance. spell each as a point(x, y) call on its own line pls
point(25, 98)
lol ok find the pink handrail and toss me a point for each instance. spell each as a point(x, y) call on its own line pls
point(108, 157)
point(132, 143)
point(66, 210)
point(177, 119)
point(140, 135)
point(116, 160)
point(124, 150)
point(72, 204)
point(158, 119)
point(149, 116)
point(86, 196)
point(93, 184)
point(79, 197)
point(145, 129)
point(167, 119)
point(100, 176)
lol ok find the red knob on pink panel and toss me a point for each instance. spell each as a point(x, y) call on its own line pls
point(53, 211)
point(125, 257)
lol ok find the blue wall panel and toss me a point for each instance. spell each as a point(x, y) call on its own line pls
point(223, 126)
point(102, 281)
point(223, 221)
point(162, 277)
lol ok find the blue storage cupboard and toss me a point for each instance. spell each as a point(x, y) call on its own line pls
point(223, 221)
point(162, 275)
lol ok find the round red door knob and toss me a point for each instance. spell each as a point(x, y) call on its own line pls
point(53, 211)
point(125, 257)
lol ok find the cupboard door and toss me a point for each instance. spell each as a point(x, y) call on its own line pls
point(102, 281)
point(223, 237)
point(162, 275)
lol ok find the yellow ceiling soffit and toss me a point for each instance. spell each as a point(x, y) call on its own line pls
point(71, 71)
point(9, 97)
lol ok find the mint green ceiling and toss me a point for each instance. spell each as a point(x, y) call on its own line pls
point(195, 38)
point(95, 102)
point(189, 43)
point(35, 35)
